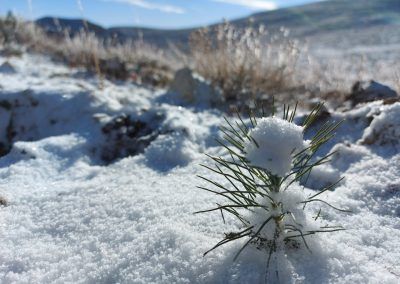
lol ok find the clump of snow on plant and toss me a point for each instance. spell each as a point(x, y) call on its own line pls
point(384, 128)
point(277, 140)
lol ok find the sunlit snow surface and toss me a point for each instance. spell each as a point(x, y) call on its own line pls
point(72, 220)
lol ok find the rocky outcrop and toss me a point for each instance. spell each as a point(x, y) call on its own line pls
point(192, 88)
point(368, 91)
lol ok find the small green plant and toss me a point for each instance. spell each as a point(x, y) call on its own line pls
point(265, 161)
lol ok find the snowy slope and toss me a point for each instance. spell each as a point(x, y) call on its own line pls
point(72, 218)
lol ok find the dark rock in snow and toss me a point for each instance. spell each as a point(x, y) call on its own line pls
point(368, 91)
point(391, 101)
point(5, 127)
point(126, 137)
point(192, 88)
point(3, 201)
point(114, 68)
point(11, 51)
point(7, 68)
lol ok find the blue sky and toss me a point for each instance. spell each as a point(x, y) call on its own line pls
point(148, 13)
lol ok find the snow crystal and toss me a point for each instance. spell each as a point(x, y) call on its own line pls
point(277, 141)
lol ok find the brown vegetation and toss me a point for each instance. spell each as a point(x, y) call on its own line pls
point(245, 63)
point(137, 60)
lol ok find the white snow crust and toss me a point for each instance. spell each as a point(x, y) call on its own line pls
point(71, 219)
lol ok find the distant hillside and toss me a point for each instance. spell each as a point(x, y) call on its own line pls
point(54, 25)
point(304, 21)
point(334, 15)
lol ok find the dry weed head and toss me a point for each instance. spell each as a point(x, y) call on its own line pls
point(83, 48)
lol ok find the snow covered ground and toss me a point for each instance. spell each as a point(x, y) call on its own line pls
point(77, 213)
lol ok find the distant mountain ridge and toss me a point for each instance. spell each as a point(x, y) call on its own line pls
point(306, 20)
point(55, 25)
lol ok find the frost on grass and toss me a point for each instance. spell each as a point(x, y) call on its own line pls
point(274, 143)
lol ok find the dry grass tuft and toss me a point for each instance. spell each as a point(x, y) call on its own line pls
point(136, 60)
point(245, 63)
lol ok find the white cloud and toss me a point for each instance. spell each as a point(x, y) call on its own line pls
point(253, 4)
point(151, 5)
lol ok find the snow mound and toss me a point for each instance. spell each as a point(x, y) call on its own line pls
point(169, 151)
point(384, 128)
point(322, 176)
point(276, 141)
